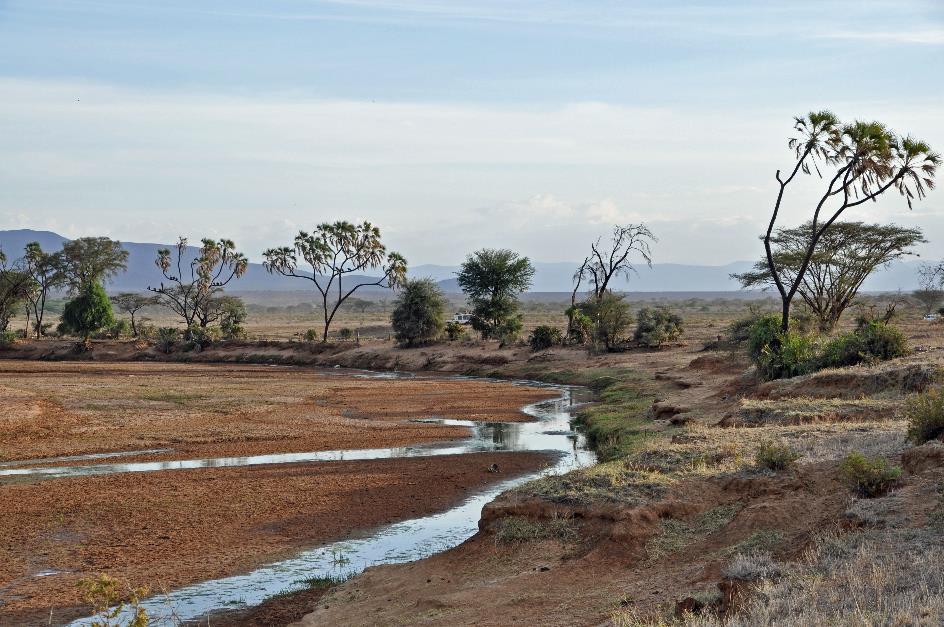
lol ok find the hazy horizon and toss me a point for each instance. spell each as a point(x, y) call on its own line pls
point(532, 125)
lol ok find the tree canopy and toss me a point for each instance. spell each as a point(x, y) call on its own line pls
point(861, 161)
point(419, 312)
point(493, 279)
point(846, 254)
point(88, 312)
point(192, 287)
point(89, 260)
point(334, 252)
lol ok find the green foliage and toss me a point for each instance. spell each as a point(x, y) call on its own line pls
point(166, 338)
point(789, 355)
point(656, 326)
point(580, 324)
point(105, 595)
point(762, 334)
point(454, 331)
point(7, 338)
point(739, 331)
point(868, 477)
point(872, 342)
point(89, 312)
point(925, 412)
point(419, 312)
point(201, 337)
point(345, 334)
point(118, 329)
point(775, 456)
point(232, 316)
point(492, 279)
point(89, 260)
point(544, 337)
point(312, 335)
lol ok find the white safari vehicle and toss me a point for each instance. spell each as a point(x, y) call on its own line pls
point(462, 318)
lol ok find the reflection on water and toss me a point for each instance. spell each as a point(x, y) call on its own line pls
point(400, 542)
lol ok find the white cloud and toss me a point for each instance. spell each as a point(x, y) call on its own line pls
point(934, 37)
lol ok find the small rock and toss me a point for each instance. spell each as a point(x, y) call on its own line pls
point(493, 468)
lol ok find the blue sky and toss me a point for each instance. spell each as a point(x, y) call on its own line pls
point(453, 125)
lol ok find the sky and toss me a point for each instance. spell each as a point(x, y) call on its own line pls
point(451, 124)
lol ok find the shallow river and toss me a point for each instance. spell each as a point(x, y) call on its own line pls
point(396, 543)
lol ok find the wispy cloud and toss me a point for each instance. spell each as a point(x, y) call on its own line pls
point(934, 37)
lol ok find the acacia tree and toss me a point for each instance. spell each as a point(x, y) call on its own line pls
point(845, 256)
point(492, 279)
point(131, 303)
point(867, 160)
point(333, 252)
point(88, 260)
point(46, 270)
point(15, 286)
point(192, 287)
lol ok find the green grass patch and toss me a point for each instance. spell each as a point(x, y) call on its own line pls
point(677, 534)
point(618, 424)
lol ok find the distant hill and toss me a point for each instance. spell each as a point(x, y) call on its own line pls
point(549, 276)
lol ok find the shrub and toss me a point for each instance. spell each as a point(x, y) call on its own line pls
point(790, 355)
point(544, 337)
point(454, 331)
point(166, 338)
point(925, 413)
point(418, 312)
point(763, 333)
point(872, 342)
point(88, 313)
point(606, 318)
point(579, 326)
point(345, 333)
point(775, 456)
point(7, 338)
point(201, 337)
point(312, 335)
point(868, 477)
point(232, 317)
point(739, 331)
point(656, 326)
point(112, 603)
point(118, 329)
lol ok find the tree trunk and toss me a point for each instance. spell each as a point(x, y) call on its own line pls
point(785, 316)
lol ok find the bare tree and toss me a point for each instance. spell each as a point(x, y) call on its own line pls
point(193, 286)
point(333, 252)
point(868, 160)
point(930, 294)
point(608, 261)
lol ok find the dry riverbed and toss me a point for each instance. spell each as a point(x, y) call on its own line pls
point(169, 528)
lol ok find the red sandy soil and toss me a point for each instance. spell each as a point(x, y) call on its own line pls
point(167, 529)
point(56, 409)
point(550, 582)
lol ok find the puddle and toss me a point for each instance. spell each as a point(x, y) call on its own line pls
point(392, 544)
point(81, 458)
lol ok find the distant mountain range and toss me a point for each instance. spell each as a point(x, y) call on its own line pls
point(549, 276)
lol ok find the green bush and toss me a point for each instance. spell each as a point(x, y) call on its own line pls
point(118, 329)
point(166, 338)
point(775, 456)
point(312, 335)
point(544, 337)
point(579, 326)
point(925, 413)
point(790, 355)
point(656, 326)
point(763, 333)
point(454, 331)
point(419, 312)
point(872, 342)
point(739, 331)
point(87, 313)
point(345, 333)
point(868, 477)
point(7, 338)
